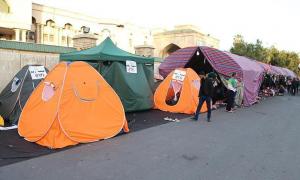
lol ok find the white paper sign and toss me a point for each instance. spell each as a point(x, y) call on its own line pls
point(131, 67)
point(37, 72)
point(179, 75)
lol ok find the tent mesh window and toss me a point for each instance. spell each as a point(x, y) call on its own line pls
point(174, 91)
point(48, 91)
point(15, 84)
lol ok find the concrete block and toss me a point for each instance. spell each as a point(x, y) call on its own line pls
point(32, 58)
point(51, 61)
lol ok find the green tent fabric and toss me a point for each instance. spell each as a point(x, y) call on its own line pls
point(134, 89)
point(106, 51)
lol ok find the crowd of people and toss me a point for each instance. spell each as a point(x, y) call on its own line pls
point(217, 91)
point(279, 85)
point(214, 92)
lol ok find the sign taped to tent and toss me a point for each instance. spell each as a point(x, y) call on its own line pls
point(179, 75)
point(37, 72)
point(131, 67)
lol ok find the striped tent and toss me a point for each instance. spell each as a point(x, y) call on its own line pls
point(267, 67)
point(252, 77)
point(177, 59)
point(289, 72)
point(277, 70)
point(219, 61)
point(222, 62)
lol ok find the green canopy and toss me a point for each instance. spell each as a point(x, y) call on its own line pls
point(135, 88)
point(106, 51)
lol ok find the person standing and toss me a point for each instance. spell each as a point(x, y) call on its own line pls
point(297, 85)
point(294, 86)
point(289, 85)
point(205, 94)
point(232, 85)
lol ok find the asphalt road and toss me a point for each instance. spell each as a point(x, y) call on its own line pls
point(257, 143)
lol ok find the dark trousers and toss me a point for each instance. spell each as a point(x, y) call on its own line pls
point(293, 90)
point(203, 99)
point(289, 89)
point(230, 100)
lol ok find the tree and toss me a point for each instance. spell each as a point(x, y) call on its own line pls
point(269, 55)
point(250, 50)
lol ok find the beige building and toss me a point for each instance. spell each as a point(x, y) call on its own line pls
point(22, 20)
point(30, 22)
point(168, 41)
point(15, 19)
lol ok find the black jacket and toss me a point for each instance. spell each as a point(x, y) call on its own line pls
point(206, 88)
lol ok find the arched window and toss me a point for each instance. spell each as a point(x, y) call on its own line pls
point(169, 49)
point(49, 32)
point(67, 35)
point(31, 35)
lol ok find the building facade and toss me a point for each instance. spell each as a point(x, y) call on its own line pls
point(168, 41)
point(36, 23)
point(22, 20)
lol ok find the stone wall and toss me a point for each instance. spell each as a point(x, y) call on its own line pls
point(84, 41)
point(144, 50)
point(11, 61)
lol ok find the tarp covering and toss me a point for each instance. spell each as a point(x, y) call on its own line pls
point(266, 67)
point(106, 51)
point(223, 63)
point(252, 77)
point(176, 60)
point(15, 94)
point(188, 86)
point(131, 76)
point(73, 105)
point(277, 70)
point(220, 61)
point(288, 72)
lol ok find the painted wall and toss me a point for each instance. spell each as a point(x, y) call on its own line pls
point(11, 61)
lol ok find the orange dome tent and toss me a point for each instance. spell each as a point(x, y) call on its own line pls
point(73, 105)
point(182, 85)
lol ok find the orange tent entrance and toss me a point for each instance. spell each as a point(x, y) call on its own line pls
point(179, 92)
point(73, 105)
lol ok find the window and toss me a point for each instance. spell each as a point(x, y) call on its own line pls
point(69, 41)
point(46, 36)
point(63, 40)
point(51, 39)
point(130, 42)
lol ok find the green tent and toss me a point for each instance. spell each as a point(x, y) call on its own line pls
point(131, 76)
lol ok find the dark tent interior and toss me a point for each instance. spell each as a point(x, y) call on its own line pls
point(199, 63)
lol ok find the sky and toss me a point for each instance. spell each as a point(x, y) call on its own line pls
point(275, 22)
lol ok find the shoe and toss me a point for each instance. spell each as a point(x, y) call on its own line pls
point(208, 120)
point(194, 118)
point(231, 111)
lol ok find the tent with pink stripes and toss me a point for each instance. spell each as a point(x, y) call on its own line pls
point(252, 77)
point(208, 59)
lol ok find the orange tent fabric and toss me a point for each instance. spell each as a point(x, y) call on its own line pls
point(73, 105)
point(187, 82)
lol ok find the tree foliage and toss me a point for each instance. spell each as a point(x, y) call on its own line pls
point(269, 55)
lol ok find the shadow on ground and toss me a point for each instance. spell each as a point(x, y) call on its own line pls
point(14, 148)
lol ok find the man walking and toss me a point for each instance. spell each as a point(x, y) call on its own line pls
point(205, 94)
